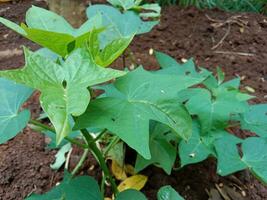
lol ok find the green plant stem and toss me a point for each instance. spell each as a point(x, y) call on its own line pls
point(100, 158)
point(100, 135)
point(114, 141)
point(80, 163)
point(46, 127)
point(102, 186)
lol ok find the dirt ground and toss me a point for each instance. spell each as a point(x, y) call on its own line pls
point(236, 42)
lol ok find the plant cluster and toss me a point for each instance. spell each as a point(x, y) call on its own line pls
point(179, 111)
point(258, 6)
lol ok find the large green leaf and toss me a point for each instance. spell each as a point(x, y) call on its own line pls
point(214, 109)
point(12, 120)
point(53, 31)
point(80, 188)
point(137, 98)
point(168, 193)
point(199, 147)
point(163, 153)
point(119, 24)
point(63, 87)
point(110, 52)
point(255, 119)
point(131, 194)
point(254, 157)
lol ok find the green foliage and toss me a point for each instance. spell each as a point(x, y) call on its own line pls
point(131, 194)
point(177, 110)
point(12, 119)
point(255, 120)
point(137, 98)
point(119, 24)
point(254, 157)
point(104, 57)
point(81, 187)
point(151, 10)
point(258, 6)
point(63, 87)
point(199, 147)
point(215, 106)
point(168, 193)
point(163, 153)
point(53, 31)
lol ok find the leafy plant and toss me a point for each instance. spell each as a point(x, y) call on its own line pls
point(178, 111)
point(258, 6)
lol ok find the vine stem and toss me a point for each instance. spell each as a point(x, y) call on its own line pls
point(100, 158)
point(49, 128)
point(80, 163)
point(114, 141)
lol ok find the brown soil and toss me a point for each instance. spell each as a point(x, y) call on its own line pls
point(182, 33)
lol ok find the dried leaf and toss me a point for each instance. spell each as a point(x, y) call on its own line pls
point(136, 182)
point(118, 171)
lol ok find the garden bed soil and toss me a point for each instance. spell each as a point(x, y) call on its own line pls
point(182, 33)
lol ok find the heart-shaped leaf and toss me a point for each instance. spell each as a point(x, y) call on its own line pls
point(12, 120)
point(63, 87)
point(81, 187)
point(255, 119)
point(254, 157)
point(137, 98)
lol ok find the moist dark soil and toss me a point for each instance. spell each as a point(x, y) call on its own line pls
point(237, 42)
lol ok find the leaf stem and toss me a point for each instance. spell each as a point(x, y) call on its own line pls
point(49, 128)
point(80, 163)
point(100, 158)
point(100, 135)
point(114, 141)
point(102, 186)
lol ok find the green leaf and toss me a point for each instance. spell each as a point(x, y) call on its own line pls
point(60, 156)
point(228, 157)
point(131, 194)
point(168, 193)
point(215, 109)
point(40, 18)
point(165, 60)
point(151, 10)
point(12, 119)
point(141, 96)
point(255, 119)
point(198, 147)
point(63, 87)
point(81, 187)
point(187, 69)
point(163, 154)
point(52, 31)
point(110, 52)
point(13, 26)
point(119, 24)
point(124, 4)
point(194, 150)
point(255, 156)
point(254, 151)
